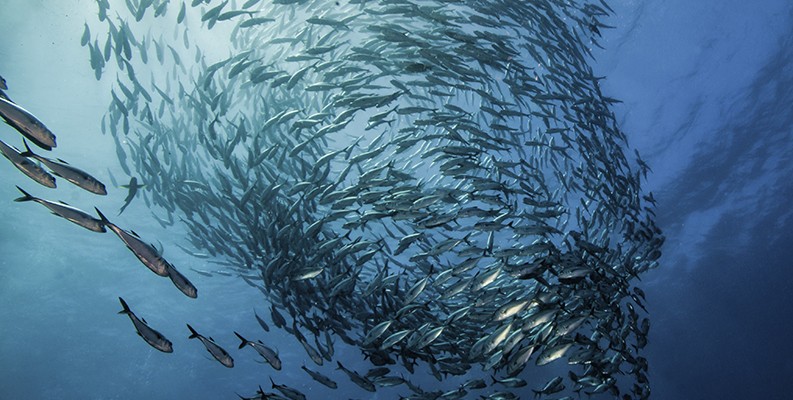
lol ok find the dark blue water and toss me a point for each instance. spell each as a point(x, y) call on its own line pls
point(707, 88)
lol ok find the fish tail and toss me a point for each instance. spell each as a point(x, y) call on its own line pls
point(244, 341)
point(193, 333)
point(126, 309)
point(25, 196)
point(28, 152)
point(101, 216)
point(123, 208)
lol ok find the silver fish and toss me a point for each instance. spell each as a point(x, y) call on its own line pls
point(71, 174)
point(221, 355)
point(320, 378)
point(269, 354)
point(145, 252)
point(152, 337)
point(62, 210)
point(29, 168)
point(27, 124)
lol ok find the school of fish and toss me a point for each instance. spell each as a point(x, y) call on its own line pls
point(440, 184)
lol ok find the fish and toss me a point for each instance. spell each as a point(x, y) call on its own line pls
point(375, 333)
point(66, 211)
point(320, 378)
point(29, 168)
point(267, 353)
point(152, 337)
point(146, 253)
point(362, 382)
point(217, 352)
point(132, 188)
point(469, 224)
point(74, 175)
point(553, 353)
point(290, 393)
point(555, 385)
point(27, 124)
point(262, 323)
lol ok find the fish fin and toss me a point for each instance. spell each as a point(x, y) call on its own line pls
point(25, 196)
point(271, 381)
point(63, 161)
point(126, 309)
point(193, 333)
point(144, 320)
point(341, 367)
point(136, 234)
point(244, 342)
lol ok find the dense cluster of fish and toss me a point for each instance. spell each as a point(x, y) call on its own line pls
point(439, 183)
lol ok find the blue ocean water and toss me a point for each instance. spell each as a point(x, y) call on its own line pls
point(706, 98)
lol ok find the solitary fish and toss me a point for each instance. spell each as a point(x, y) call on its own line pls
point(28, 125)
point(71, 174)
point(63, 210)
point(29, 168)
point(133, 190)
point(145, 252)
point(153, 338)
point(221, 355)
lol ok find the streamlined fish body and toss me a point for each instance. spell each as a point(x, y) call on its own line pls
point(152, 337)
point(68, 172)
point(66, 211)
point(145, 252)
point(221, 355)
point(27, 124)
point(28, 167)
